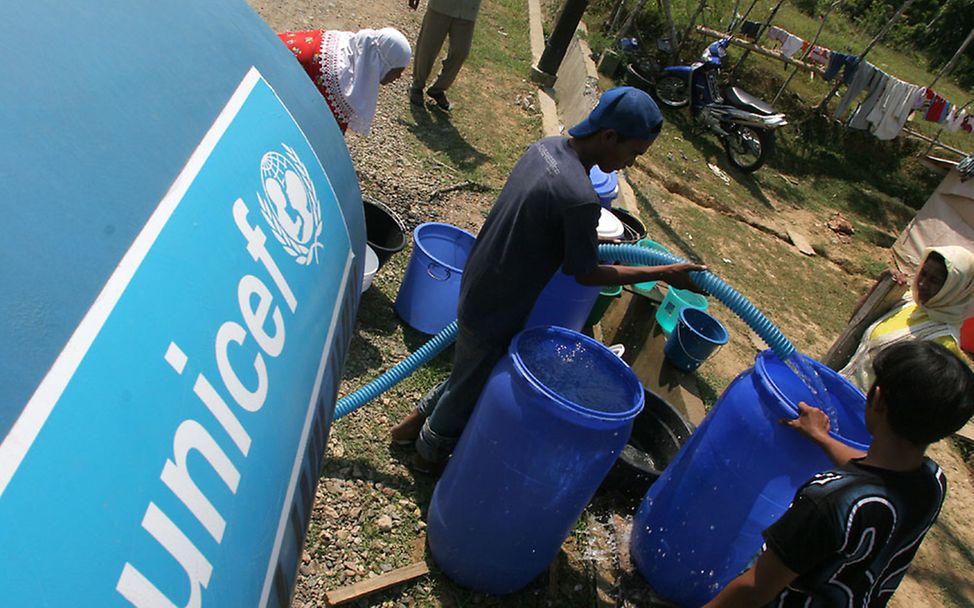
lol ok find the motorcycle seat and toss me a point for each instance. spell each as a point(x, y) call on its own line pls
point(745, 101)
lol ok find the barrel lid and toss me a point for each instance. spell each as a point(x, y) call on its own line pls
point(610, 227)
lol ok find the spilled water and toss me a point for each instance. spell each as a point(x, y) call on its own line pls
point(810, 377)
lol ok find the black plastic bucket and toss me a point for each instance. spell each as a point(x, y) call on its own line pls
point(658, 433)
point(633, 229)
point(384, 231)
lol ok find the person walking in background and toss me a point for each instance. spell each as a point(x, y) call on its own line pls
point(850, 534)
point(453, 18)
point(348, 67)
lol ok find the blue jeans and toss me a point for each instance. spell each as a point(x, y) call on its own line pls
point(448, 405)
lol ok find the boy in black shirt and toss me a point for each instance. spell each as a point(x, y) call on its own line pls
point(850, 534)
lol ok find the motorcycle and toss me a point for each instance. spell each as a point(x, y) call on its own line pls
point(744, 123)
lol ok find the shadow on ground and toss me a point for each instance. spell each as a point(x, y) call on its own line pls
point(433, 128)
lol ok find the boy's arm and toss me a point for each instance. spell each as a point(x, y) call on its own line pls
point(814, 424)
point(756, 587)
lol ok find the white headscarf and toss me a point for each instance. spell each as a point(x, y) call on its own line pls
point(950, 305)
point(355, 63)
point(939, 316)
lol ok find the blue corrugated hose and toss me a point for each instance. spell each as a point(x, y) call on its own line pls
point(630, 254)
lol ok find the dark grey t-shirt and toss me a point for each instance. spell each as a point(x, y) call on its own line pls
point(545, 217)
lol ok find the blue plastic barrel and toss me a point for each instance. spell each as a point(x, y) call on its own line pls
point(700, 524)
point(563, 302)
point(696, 336)
point(606, 184)
point(430, 288)
point(551, 421)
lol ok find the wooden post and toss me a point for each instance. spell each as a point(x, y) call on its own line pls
point(761, 31)
point(628, 22)
point(731, 25)
point(669, 24)
point(865, 51)
point(944, 71)
point(804, 56)
point(686, 32)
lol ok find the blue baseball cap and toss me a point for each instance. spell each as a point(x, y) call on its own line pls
point(628, 111)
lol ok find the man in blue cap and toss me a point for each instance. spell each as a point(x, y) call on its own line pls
point(545, 218)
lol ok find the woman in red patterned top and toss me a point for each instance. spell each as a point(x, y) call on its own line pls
point(348, 67)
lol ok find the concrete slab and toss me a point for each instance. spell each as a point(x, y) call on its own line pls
point(799, 241)
point(631, 321)
point(549, 113)
point(536, 30)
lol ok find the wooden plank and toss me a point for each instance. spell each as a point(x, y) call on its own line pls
point(377, 583)
point(883, 295)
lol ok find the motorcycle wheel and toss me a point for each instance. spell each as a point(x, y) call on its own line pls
point(748, 148)
point(672, 90)
point(636, 76)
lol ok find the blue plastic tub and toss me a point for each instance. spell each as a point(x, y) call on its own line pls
point(564, 302)
point(700, 524)
point(430, 289)
point(696, 336)
point(550, 423)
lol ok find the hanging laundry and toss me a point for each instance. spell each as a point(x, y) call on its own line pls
point(819, 55)
point(955, 120)
point(864, 75)
point(750, 29)
point(838, 61)
point(937, 109)
point(968, 124)
point(790, 44)
point(920, 97)
point(776, 33)
point(876, 86)
point(892, 110)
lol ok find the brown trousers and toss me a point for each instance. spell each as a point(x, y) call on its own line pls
point(436, 27)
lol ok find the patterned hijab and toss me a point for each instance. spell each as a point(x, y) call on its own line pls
point(355, 63)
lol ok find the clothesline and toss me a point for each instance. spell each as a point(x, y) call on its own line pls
point(890, 102)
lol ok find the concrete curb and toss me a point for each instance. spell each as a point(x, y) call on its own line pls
point(575, 92)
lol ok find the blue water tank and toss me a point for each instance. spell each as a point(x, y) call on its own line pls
point(700, 524)
point(182, 253)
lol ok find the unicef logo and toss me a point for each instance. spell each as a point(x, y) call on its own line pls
point(290, 205)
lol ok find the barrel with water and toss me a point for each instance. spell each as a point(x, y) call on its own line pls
point(182, 257)
point(700, 524)
point(550, 422)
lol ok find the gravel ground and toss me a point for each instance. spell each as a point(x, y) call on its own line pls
point(369, 507)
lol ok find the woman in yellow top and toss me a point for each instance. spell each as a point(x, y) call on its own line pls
point(933, 309)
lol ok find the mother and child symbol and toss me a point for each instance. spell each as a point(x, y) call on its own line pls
point(558, 410)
